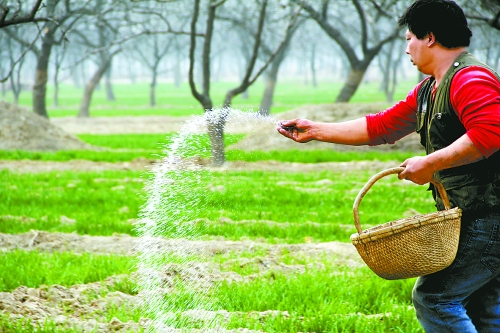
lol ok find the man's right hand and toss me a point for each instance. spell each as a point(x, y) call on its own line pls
point(299, 130)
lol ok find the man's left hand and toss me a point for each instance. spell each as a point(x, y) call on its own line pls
point(417, 170)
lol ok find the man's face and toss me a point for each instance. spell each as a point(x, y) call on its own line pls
point(417, 50)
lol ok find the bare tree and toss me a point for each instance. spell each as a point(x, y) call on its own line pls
point(58, 57)
point(487, 11)
point(355, 35)
point(271, 77)
point(12, 55)
point(151, 53)
point(389, 62)
point(248, 35)
point(99, 34)
point(110, 95)
point(11, 14)
point(60, 16)
point(217, 120)
point(15, 76)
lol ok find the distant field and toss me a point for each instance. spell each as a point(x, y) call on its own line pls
point(126, 147)
point(133, 99)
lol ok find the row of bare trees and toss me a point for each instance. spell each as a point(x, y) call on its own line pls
point(83, 34)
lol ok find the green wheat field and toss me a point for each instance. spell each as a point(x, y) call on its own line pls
point(294, 292)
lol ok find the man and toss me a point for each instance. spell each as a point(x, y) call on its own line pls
point(456, 111)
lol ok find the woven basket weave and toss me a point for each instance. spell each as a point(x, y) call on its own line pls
point(408, 247)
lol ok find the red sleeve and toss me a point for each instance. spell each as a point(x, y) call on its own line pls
point(394, 123)
point(475, 96)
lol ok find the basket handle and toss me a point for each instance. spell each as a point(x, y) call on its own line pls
point(371, 181)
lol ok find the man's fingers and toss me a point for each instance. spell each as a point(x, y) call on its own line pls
point(285, 132)
point(288, 123)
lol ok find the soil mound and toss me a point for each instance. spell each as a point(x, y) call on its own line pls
point(268, 139)
point(25, 130)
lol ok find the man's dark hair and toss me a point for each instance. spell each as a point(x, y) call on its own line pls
point(444, 18)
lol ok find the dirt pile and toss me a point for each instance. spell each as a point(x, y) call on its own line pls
point(267, 139)
point(24, 130)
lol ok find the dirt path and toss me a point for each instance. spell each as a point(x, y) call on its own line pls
point(125, 245)
point(76, 307)
point(23, 166)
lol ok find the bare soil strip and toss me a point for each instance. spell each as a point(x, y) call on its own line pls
point(83, 306)
point(125, 245)
point(29, 166)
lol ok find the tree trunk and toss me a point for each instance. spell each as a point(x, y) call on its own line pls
point(132, 73)
point(76, 79)
point(15, 82)
point(357, 66)
point(351, 85)
point(89, 89)
point(216, 124)
point(56, 87)
point(241, 74)
point(109, 86)
point(41, 73)
point(177, 72)
point(267, 99)
point(16, 89)
point(39, 93)
point(152, 89)
point(271, 79)
point(312, 64)
point(41, 77)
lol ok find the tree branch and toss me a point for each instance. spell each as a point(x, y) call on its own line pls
point(381, 10)
point(292, 25)
point(364, 33)
point(13, 65)
point(334, 33)
point(218, 3)
point(192, 50)
point(28, 18)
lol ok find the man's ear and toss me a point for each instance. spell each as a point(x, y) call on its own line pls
point(431, 39)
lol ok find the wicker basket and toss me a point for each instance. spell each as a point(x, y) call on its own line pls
point(409, 247)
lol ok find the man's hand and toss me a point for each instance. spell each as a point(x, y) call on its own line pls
point(417, 169)
point(351, 132)
point(420, 169)
point(299, 130)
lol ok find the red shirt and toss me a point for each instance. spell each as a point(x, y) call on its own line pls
point(475, 97)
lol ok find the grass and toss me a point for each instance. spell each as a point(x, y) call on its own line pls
point(325, 297)
point(132, 99)
point(313, 206)
point(121, 148)
point(62, 268)
point(88, 155)
point(94, 203)
point(127, 147)
point(198, 142)
point(334, 299)
point(273, 207)
point(7, 324)
point(310, 156)
point(304, 207)
point(318, 205)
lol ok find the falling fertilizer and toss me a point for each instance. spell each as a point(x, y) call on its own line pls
point(173, 277)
